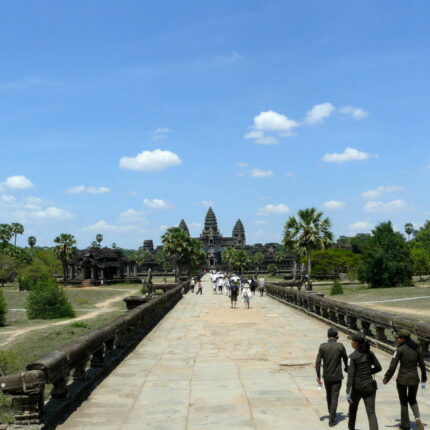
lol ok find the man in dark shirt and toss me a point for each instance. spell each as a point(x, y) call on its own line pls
point(331, 354)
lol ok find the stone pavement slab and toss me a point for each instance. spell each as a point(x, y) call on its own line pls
point(206, 366)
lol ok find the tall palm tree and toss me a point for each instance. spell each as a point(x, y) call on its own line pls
point(309, 231)
point(5, 233)
point(409, 229)
point(99, 239)
point(65, 249)
point(17, 228)
point(31, 241)
point(258, 259)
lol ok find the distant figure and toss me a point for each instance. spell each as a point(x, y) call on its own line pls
point(246, 295)
point(331, 354)
point(409, 356)
point(261, 285)
point(253, 285)
point(363, 364)
point(192, 285)
point(199, 287)
point(234, 292)
point(220, 284)
point(165, 281)
point(226, 286)
point(214, 286)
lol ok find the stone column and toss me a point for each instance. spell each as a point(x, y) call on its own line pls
point(93, 272)
point(135, 270)
point(128, 271)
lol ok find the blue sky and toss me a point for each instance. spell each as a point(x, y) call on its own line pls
point(122, 118)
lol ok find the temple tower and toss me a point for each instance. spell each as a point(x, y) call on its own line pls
point(183, 226)
point(239, 233)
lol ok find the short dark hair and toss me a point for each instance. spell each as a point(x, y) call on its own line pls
point(332, 332)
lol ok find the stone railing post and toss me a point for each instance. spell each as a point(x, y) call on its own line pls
point(352, 322)
point(380, 333)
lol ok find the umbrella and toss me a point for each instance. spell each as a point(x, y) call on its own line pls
point(235, 277)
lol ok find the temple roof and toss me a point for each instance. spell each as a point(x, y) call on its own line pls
point(239, 229)
point(183, 226)
point(210, 221)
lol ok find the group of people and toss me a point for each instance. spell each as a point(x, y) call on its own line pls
point(361, 366)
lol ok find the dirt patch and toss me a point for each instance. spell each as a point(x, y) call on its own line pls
point(395, 309)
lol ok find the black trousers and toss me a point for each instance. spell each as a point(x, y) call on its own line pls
point(369, 403)
point(407, 394)
point(332, 389)
point(199, 291)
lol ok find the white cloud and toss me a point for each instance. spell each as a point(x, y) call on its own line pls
point(260, 222)
point(318, 113)
point(257, 173)
point(273, 210)
point(160, 133)
point(207, 203)
point(89, 190)
point(392, 206)
point(361, 226)
point(157, 204)
point(18, 182)
point(334, 205)
point(150, 161)
point(350, 154)
point(356, 113)
point(52, 213)
point(291, 175)
point(131, 216)
point(34, 203)
point(241, 164)
point(274, 121)
point(377, 192)
point(102, 226)
point(6, 198)
point(270, 122)
point(163, 228)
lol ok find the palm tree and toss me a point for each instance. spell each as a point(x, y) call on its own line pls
point(17, 228)
point(258, 259)
point(409, 229)
point(5, 233)
point(31, 241)
point(64, 250)
point(99, 239)
point(308, 232)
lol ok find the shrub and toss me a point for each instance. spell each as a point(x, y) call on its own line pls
point(158, 292)
point(272, 268)
point(47, 300)
point(143, 290)
point(6, 411)
point(8, 361)
point(80, 324)
point(3, 310)
point(33, 273)
point(336, 288)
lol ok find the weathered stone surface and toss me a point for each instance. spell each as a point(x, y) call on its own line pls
point(206, 366)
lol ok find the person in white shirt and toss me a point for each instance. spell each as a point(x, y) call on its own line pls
point(220, 283)
point(246, 295)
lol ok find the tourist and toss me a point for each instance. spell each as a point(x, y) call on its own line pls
point(246, 295)
point(199, 287)
point(234, 292)
point(331, 354)
point(220, 284)
point(361, 384)
point(214, 286)
point(253, 285)
point(409, 356)
point(261, 285)
point(192, 284)
point(226, 286)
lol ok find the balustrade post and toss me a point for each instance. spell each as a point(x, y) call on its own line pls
point(97, 359)
point(80, 369)
point(59, 389)
point(380, 333)
point(352, 322)
point(424, 345)
point(341, 319)
point(333, 316)
point(366, 328)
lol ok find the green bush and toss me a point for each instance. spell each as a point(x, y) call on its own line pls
point(3, 309)
point(8, 360)
point(80, 324)
point(158, 292)
point(47, 300)
point(143, 290)
point(336, 288)
point(32, 274)
point(272, 268)
point(6, 412)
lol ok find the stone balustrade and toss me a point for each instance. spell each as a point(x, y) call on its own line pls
point(376, 325)
point(75, 368)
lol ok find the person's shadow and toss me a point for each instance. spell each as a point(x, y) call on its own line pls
point(413, 425)
point(340, 416)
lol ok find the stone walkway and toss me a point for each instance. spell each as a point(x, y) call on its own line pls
point(206, 366)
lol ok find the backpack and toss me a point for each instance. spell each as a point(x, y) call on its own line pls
point(245, 293)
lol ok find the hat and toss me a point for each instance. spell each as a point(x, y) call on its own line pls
point(402, 333)
point(356, 337)
point(332, 332)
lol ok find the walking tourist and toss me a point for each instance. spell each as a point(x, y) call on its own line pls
point(199, 287)
point(261, 285)
point(246, 295)
point(214, 286)
point(192, 284)
point(226, 286)
point(409, 356)
point(331, 354)
point(361, 384)
point(253, 285)
point(220, 284)
point(234, 292)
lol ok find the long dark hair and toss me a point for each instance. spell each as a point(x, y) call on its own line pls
point(411, 343)
point(363, 346)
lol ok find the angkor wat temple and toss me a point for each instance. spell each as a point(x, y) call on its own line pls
point(214, 243)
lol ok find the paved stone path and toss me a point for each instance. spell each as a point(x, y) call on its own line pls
point(206, 366)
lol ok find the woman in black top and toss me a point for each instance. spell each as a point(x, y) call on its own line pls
point(410, 357)
point(363, 364)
